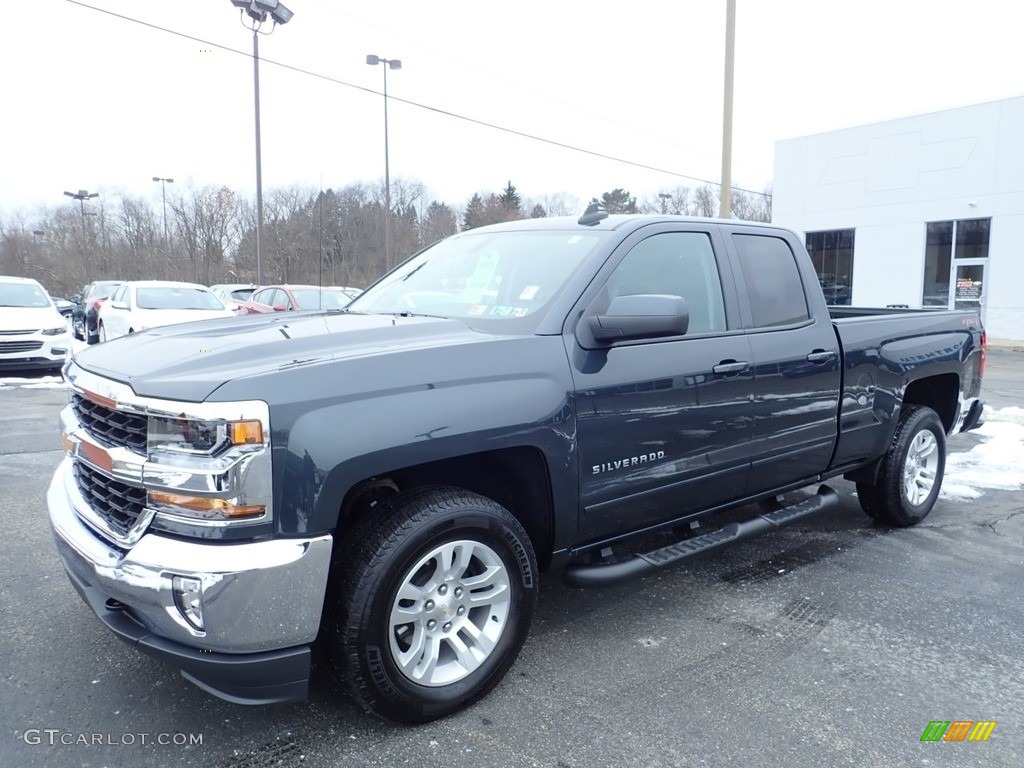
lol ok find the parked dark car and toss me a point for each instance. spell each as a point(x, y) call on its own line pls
point(285, 298)
point(64, 306)
point(87, 307)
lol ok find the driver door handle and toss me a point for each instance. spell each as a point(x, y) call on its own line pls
point(821, 356)
point(730, 367)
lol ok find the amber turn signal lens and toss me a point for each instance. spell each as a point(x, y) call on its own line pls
point(200, 504)
point(246, 432)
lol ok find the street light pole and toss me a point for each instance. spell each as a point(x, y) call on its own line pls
point(258, 12)
point(81, 196)
point(725, 207)
point(163, 192)
point(259, 154)
point(373, 60)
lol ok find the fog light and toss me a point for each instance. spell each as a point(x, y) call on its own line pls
point(188, 597)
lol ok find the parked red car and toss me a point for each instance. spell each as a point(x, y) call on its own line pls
point(283, 298)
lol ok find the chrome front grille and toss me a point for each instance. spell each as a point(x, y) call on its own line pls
point(110, 427)
point(119, 504)
point(19, 346)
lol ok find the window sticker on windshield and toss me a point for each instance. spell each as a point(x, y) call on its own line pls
point(529, 292)
point(509, 311)
point(477, 309)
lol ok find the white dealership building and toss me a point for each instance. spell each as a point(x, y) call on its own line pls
point(924, 211)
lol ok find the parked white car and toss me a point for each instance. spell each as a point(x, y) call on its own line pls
point(142, 304)
point(33, 334)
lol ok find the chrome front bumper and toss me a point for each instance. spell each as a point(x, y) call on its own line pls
point(261, 600)
point(256, 596)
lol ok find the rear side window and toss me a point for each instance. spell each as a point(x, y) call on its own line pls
point(774, 288)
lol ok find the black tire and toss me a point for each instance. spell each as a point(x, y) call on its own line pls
point(403, 545)
point(910, 477)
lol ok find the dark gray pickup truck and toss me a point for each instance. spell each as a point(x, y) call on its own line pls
point(385, 484)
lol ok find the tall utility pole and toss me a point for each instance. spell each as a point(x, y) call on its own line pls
point(388, 64)
point(258, 12)
point(725, 208)
point(163, 193)
point(81, 196)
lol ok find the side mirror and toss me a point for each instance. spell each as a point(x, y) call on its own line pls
point(119, 305)
point(280, 307)
point(643, 316)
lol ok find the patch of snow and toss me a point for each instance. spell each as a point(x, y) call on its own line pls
point(39, 382)
point(997, 463)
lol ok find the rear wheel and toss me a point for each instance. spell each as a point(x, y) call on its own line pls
point(436, 602)
point(911, 474)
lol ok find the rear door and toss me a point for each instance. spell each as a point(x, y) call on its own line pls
point(796, 355)
point(663, 423)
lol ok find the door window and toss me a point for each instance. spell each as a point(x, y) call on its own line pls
point(970, 285)
point(774, 288)
point(676, 264)
point(263, 297)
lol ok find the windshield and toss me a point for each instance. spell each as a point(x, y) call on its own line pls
point(22, 295)
point(311, 298)
point(176, 298)
point(493, 275)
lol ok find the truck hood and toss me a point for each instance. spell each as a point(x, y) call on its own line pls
point(189, 362)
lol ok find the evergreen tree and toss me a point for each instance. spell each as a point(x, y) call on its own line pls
point(474, 216)
point(538, 212)
point(511, 201)
point(618, 201)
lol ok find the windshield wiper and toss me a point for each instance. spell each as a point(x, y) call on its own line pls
point(421, 266)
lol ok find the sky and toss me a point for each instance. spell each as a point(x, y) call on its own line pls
point(93, 101)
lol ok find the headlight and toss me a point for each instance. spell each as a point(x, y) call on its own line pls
point(54, 331)
point(200, 437)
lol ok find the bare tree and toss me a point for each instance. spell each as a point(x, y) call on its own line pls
point(705, 202)
point(205, 222)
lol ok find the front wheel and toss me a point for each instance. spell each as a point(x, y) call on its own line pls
point(911, 474)
point(439, 590)
point(103, 333)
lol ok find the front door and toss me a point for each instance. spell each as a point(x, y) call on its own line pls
point(663, 424)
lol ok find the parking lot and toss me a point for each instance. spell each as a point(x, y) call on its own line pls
point(830, 643)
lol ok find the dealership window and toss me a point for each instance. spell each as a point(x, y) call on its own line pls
point(832, 255)
point(945, 242)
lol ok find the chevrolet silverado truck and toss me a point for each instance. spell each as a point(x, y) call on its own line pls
point(385, 484)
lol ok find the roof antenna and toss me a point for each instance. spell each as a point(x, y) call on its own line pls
point(595, 212)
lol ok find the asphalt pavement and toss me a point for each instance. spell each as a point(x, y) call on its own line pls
point(834, 642)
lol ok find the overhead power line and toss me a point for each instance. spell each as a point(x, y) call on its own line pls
point(418, 105)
